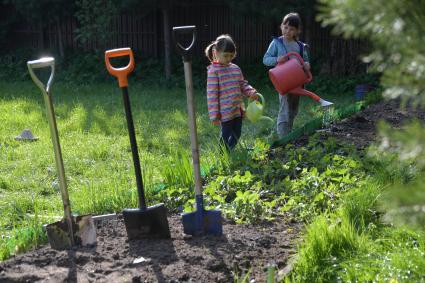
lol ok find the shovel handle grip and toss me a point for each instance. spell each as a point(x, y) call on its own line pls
point(122, 72)
point(184, 51)
point(38, 64)
point(301, 60)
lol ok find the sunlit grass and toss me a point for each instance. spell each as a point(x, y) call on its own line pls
point(353, 245)
point(96, 150)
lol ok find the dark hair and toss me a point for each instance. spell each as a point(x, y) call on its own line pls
point(223, 43)
point(293, 20)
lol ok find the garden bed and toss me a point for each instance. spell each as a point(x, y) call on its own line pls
point(242, 248)
point(360, 129)
point(179, 259)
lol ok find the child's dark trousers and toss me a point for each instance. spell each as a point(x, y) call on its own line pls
point(231, 132)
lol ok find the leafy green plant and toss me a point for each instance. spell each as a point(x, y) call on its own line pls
point(95, 18)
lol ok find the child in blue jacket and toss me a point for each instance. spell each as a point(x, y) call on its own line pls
point(278, 48)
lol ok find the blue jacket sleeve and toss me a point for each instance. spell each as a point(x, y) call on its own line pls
point(270, 58)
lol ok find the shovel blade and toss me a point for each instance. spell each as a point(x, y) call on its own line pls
point(203, 222)
point(58, 235)
point(149, 223)
point(84, 233)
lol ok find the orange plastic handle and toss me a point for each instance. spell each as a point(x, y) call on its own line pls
point(120, 73)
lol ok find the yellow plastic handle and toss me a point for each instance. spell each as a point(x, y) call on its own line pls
point(120, 73)
point(263, 102)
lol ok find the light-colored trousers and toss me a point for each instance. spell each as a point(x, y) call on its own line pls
point(288, 109)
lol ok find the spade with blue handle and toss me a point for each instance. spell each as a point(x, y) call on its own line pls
point(201, 221)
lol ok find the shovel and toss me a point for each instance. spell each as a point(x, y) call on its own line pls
point(142, 222)
point(69, 231)
point(201, 221)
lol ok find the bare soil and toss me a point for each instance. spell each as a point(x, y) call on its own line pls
point(190, 259)
point(361, 129)
point(179, 259)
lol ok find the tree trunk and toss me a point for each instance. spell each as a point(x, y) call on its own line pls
point(60, 42)
point(167, 43)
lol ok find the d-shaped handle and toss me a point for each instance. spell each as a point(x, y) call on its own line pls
point(301, 60)
point(122, 72)
point(38, 64)
point(294, 54)
point(184, 51)
point(263, 102)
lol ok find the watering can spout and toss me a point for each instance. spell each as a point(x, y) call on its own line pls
point(325, 103)
point(303, 92)
point(315, 97)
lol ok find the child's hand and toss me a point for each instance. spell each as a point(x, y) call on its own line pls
point(255, 96)
point(216, 122)
point(282, 59)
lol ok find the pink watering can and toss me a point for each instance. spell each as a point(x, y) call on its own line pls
point(289, 77)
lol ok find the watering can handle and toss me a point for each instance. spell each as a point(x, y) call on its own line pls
point(41, 63)
point(293, 54)
point(120, 73)
point(184, 51)
point(301, 60)
point(263, 102)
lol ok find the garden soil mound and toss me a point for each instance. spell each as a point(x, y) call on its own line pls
point(187, 259)
point(179, 259)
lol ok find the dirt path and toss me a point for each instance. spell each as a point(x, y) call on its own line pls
point(183, 258)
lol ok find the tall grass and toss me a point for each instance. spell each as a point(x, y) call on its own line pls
point(353, 245)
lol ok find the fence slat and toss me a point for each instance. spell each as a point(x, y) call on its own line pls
point(144, 33)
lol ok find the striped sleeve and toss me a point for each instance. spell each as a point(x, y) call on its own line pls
point(246, 88)
point(212, 95)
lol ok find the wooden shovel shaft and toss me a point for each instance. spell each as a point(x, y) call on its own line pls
point(59, 164)
point(192, 127)
point(45, 89)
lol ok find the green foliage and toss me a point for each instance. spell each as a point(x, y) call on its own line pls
point(396, 34)
point(14, 65)
point(95, 17)
point(351, 245)
point(402, 155)
point(43, 10)
point(396, 31)
point(270, 10)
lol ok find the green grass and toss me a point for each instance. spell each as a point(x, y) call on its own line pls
point(96, 150)
point(353, 244)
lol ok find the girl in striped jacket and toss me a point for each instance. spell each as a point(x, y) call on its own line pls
point(226, 87)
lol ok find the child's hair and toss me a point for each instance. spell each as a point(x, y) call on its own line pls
point(223, 43)
point(293, 20)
